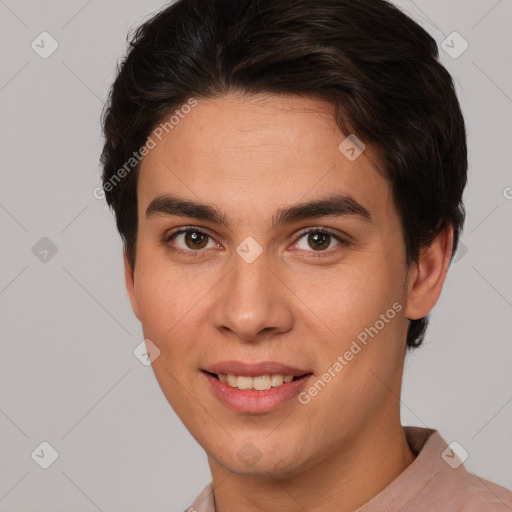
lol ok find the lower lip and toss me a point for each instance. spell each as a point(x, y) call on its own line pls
point(256, 402)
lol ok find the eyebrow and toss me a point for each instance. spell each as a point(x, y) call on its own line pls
point(332, 205)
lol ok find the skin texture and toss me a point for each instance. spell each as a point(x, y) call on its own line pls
point(249, 156)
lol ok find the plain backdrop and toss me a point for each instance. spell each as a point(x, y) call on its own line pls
point(68, 374)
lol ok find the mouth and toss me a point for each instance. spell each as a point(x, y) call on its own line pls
point(256, 388)
point(257, 383)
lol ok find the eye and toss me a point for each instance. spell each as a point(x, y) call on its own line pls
point(192, 241)
point(319, 240)
point(189, 240)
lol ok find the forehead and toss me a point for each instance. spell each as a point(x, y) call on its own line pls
point(266, 150)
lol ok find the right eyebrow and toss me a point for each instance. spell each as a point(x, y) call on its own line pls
point(173, 205)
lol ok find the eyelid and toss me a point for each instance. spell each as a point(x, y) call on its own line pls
point(320, 229)
point(183, 230)
point(343, 240)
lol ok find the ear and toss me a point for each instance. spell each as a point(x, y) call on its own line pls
point(426, 277)
point(129, 278)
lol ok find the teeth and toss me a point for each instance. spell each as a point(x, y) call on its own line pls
point(244, 382)
point(276, 380)
point(260, 383)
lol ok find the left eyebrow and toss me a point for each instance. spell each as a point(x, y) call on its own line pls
point(333, 205)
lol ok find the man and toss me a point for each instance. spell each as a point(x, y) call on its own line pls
point(287, 179)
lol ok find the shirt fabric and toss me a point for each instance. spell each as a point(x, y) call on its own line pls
point(435, 481)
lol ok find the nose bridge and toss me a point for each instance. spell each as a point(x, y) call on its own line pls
point(248, 279)
point(251, 300)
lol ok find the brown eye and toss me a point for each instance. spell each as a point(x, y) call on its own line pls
point(318, 240)
point(188, 240)
point(196, 239)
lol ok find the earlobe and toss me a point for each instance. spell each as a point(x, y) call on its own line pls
point(427, 276)
point(129, 278)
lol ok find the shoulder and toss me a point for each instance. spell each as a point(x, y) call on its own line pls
point(438, 479)
point(479, 494)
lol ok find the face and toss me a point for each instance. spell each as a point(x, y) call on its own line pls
point(267, 288)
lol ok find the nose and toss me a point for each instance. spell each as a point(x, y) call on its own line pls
point(252, 303)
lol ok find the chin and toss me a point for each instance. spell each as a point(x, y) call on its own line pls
point(248, 460)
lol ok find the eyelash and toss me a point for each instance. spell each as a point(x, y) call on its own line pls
point(197, 253)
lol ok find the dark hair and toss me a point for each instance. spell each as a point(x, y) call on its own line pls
point(375, 65)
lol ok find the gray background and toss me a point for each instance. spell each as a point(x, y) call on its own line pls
point(68, 375)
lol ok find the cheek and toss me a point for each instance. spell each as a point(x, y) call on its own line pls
point(349, 298)
point(362, 310)
point(155, 302)
point(165, 292)
point(171, 301)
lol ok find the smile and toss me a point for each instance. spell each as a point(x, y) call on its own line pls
point(259, 383)
point(256, 394)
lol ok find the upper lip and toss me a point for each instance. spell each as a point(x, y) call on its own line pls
point(255, 369)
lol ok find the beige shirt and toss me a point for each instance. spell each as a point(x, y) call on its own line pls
point(436, 481)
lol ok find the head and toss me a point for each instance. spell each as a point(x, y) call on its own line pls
point(251, 123)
